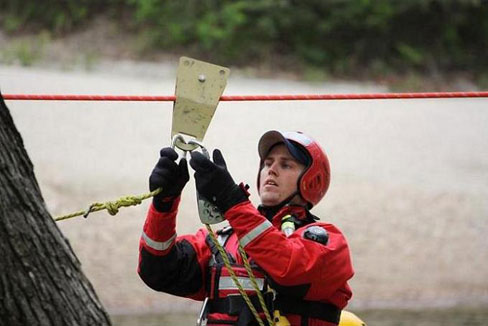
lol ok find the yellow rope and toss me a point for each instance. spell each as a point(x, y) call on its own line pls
point(247, 265)
point(233, 276)
point(111, 206)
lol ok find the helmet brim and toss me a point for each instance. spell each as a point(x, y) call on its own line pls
point(274, 137)
point(268, 140)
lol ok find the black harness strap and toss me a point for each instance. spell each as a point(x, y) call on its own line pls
point(234, 305)
point(222, 237)
point(308, 309)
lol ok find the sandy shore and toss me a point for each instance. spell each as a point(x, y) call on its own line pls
point(409, 178)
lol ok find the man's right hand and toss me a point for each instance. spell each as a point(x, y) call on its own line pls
point(169, 176)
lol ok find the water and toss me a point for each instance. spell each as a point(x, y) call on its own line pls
point(377, 317)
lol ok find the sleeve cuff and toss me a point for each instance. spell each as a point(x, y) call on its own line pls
point(165, 205)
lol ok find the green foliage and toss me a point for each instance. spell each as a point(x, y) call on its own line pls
point(25, 51)
point(57, 16)
point(410, 54)
point(340, 36)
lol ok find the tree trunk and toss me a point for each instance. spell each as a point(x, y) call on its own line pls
point(41, 282)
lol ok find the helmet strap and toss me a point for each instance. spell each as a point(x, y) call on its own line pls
point(290, 198)
point(270, 211)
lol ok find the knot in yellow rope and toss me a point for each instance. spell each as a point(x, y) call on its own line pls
point(112, 206)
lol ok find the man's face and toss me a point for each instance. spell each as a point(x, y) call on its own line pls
point(278, 177)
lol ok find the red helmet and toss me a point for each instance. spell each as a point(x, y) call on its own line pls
point(315, 178)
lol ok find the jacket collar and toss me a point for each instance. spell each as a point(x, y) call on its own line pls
point(275, 213)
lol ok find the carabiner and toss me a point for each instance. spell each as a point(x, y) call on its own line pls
point(199, 144)
point(179, 142)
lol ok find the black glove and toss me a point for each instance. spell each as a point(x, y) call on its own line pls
point(169, 176)
point(214, 182)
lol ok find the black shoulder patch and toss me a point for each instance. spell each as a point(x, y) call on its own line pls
point(317, 234)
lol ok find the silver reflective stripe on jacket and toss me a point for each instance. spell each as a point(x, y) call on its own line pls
point(226, 283)
point(254, 233)
point(156, 245)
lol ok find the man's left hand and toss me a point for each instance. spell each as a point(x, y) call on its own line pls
point(214, 182)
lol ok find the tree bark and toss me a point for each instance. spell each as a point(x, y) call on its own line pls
point(41, 281)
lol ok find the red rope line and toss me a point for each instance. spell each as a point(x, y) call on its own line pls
point(287, 97)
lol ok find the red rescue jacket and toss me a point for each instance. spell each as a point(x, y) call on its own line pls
point(308, 277)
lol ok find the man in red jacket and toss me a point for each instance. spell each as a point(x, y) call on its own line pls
point(305, 262)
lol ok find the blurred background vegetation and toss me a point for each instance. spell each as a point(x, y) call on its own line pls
point(349, 39)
